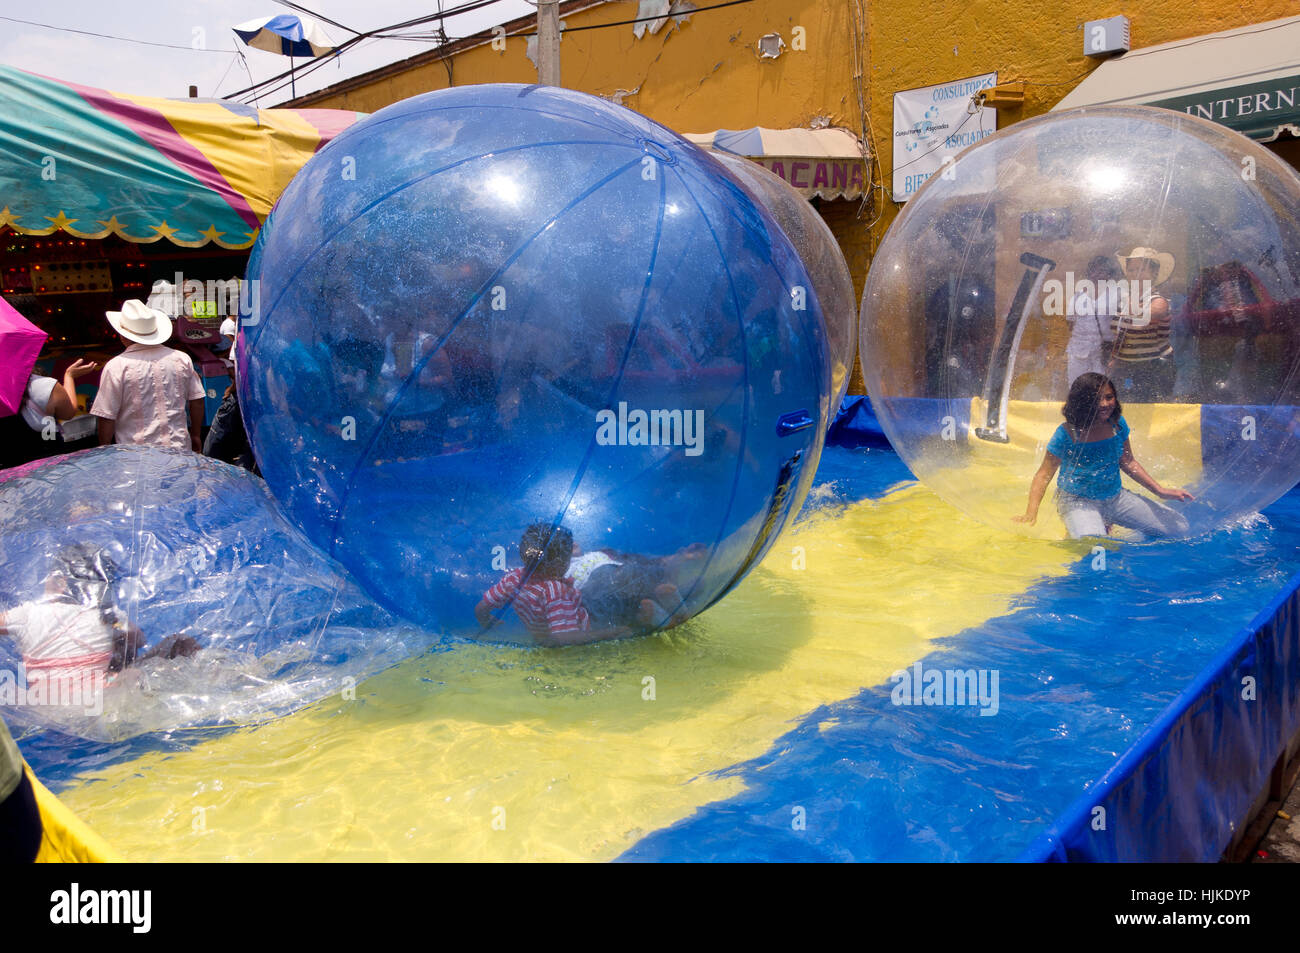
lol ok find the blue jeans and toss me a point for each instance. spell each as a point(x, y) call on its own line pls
point(227, 440)
point(1087, 517)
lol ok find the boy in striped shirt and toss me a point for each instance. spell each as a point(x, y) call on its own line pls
point(545, 601)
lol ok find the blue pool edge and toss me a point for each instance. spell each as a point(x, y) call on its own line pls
point(1181, 789)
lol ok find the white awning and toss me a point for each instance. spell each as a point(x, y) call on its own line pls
point(820, 163)
point(1247, 79)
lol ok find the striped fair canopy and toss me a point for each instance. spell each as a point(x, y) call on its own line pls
point(94, 163)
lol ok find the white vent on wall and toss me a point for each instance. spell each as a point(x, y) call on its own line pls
point(1104, 37)
point(770, 46)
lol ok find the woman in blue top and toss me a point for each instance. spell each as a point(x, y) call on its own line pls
point(1091, 448)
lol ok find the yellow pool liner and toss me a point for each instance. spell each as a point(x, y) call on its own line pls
point(65, 838)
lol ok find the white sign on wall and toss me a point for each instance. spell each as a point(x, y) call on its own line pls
point(932, 125)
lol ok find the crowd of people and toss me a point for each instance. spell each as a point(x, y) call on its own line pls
point(148, 395)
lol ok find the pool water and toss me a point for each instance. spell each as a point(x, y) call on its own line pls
point(765, 728)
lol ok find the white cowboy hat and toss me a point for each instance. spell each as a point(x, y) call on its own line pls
point(1164, 260)
point(140, 323)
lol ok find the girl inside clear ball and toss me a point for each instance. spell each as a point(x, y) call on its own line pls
point(1090, 450)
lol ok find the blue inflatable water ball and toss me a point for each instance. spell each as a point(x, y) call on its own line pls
point(1157, 249)
point(492, 307)
point(239, 617)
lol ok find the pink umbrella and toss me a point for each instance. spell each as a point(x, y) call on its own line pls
point(20, 342)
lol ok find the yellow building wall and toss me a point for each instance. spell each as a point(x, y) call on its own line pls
point(701, 76)
point(706, 74)
point(1039, 44)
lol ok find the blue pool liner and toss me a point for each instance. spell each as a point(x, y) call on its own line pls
point(1183, 789)
point(1087, 663)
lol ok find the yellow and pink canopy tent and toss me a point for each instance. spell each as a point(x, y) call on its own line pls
point(94, 163)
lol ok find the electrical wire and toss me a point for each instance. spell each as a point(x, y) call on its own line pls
point(485, 34)
point(602, 26)
point(969, 115)
point(109, 36)
point(243, 59)
point(385, 33)
point(233, 60)
point(265, 86)
point(468, 7)
point(446, 60)
point(866, 132)
point(298, 8)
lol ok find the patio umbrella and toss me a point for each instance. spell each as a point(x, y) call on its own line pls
point(20, 342)
point(287, 35)
point(756, 141)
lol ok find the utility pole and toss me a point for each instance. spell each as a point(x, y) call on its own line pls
point(548, 42)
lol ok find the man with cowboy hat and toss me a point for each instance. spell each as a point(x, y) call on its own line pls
point(148, 394)
point(1142, 358)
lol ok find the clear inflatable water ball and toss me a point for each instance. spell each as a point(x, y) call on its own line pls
point(820, 253)
point(1089, 325)
point(147, 590)
point(532, 366)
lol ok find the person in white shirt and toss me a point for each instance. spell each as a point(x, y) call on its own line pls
point(47, 398)
point(36, 430)
point(146, 391)
point(229, 328)
point(627, 589)
point(1090, 318)
point(74, 628)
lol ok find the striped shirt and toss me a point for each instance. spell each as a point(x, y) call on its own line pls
point(1135, 341)
point(545, 606)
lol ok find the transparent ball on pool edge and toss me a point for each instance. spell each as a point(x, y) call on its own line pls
point(1157, 249)
point(821, 255)
point(489, 307)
